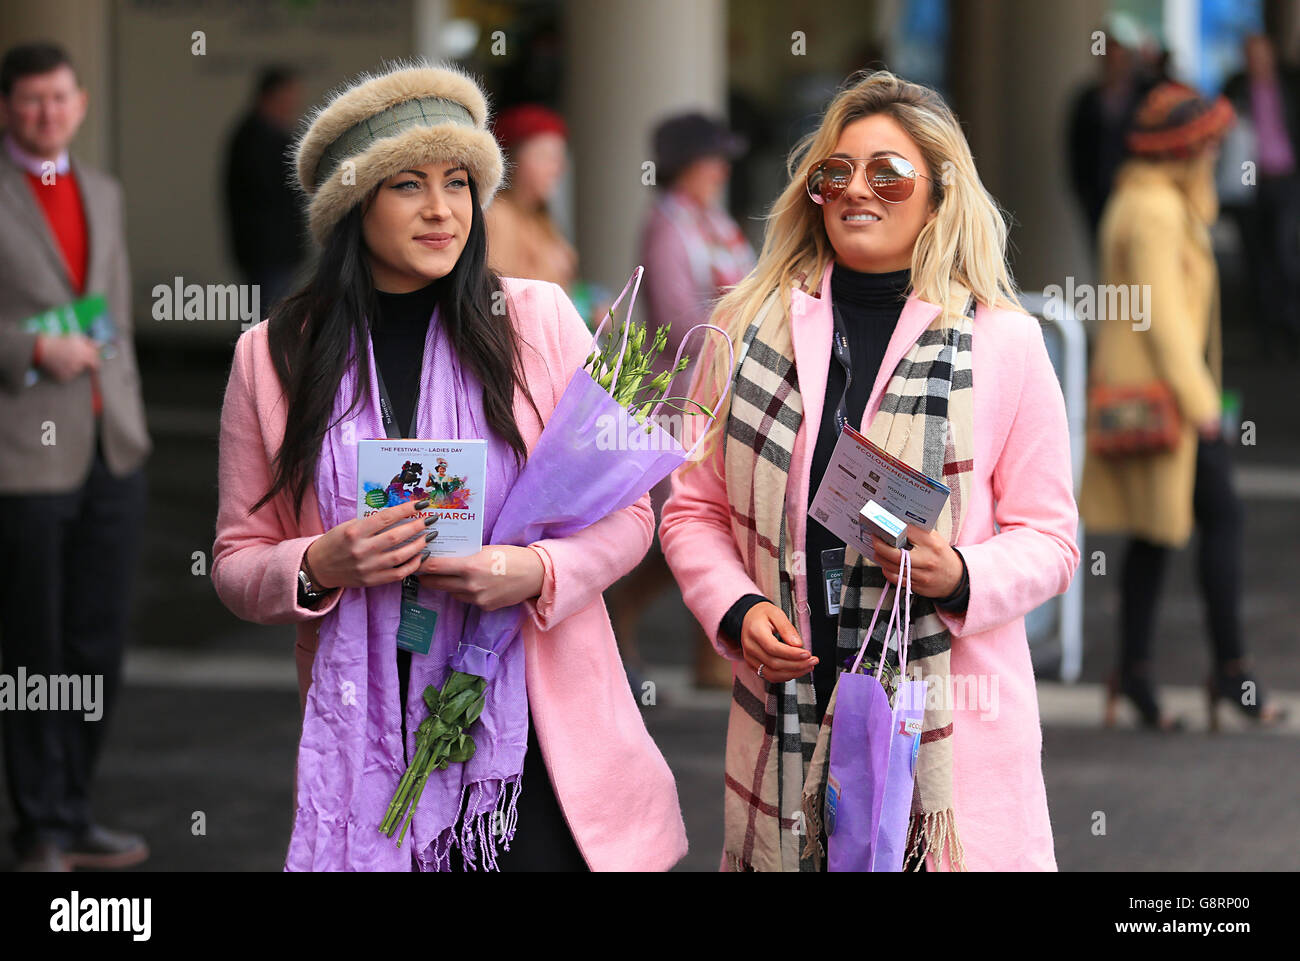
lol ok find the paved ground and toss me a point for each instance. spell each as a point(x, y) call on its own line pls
point(209, 721)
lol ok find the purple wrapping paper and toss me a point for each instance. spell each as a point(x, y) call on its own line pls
point(591, 460)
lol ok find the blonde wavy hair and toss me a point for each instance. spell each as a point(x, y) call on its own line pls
point(963, 248)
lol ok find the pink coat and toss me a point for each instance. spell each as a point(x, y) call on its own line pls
point(1022, 482)
point(612, 784)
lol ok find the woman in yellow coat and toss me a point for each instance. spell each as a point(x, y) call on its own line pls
point(1155, 245)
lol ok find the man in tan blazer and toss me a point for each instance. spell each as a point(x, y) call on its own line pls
point(73, 443)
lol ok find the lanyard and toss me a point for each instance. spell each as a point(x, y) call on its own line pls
point(386, 412)
point(410, 585)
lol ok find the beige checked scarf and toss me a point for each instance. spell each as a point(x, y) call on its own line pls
point(776, 751)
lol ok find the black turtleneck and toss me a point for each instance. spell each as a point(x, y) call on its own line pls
point(397, 335)
point(870, 305)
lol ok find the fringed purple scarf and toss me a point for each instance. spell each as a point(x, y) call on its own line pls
point(350, 755)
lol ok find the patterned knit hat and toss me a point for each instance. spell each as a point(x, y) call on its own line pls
point(1174, 121)
point(412, 114)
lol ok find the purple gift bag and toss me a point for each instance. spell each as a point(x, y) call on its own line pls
point(865, 791)
point(904, 746)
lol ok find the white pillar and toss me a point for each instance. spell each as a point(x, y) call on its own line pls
point(1016, 66)
point(629, 64)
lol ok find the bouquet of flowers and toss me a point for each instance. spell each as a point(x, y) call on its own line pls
point(605, 429)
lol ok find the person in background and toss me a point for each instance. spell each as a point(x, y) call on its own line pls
point(693, 251)
point(1099, 118)
point(523, 240)
point(266, 229)
point(1269, 96)
point(71, 502)
point(1155, 236)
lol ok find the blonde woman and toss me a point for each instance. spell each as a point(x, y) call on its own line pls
point(881, 300)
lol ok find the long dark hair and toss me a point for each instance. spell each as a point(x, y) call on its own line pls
point(308, 335)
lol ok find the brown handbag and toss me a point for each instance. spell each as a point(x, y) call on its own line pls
point(1132, 419)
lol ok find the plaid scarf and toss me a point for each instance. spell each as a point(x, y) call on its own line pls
point(777, 753)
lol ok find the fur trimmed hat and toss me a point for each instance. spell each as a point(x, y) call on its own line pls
point(412, 114)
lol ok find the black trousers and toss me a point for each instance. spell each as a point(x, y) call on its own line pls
point(1218, 514)
point(1272, 247)
point(67, 565)
point(542, 840)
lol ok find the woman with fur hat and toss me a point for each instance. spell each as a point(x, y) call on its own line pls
point(403, 324)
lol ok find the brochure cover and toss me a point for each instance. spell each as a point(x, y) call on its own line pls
point(450, 473)
point(859, 472)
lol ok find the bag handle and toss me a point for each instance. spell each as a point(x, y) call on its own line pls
point(905, 589)
point(731, 362)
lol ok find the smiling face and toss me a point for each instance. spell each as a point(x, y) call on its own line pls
point(867, 234)
point(416, 226)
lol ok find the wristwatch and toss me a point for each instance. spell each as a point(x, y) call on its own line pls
point(308, 594)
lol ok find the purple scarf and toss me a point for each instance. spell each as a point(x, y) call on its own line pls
point(350, 753)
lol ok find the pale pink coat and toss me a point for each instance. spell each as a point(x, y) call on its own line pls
point(1022, 481)
point(612, 783)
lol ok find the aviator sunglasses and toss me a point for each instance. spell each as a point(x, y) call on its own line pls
point(892, 179)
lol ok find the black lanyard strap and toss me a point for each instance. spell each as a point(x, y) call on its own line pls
point(387, 413)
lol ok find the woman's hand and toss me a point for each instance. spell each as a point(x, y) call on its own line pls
point(497, 576)
point(936, 568)
point(360, 553)
point(783, 659)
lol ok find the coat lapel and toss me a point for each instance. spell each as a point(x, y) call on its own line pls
point(812, 327)
point(95, 206)
point(18, 197)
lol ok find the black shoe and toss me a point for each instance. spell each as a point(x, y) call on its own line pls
point(44, 856)
point(1133, 685)
point(99, 847)
point(1228, 682)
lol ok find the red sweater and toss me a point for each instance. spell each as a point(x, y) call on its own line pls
point(61, 202)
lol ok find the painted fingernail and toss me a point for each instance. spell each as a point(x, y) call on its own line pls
point(423, 504)
point(432, 519)
point(432, 535)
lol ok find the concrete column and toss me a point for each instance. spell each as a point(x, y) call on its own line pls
point(1016, 66)
point(84, 31)
point(628, 65)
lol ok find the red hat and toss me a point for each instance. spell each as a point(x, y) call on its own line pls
point(1174, 121)
point(516, 124)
